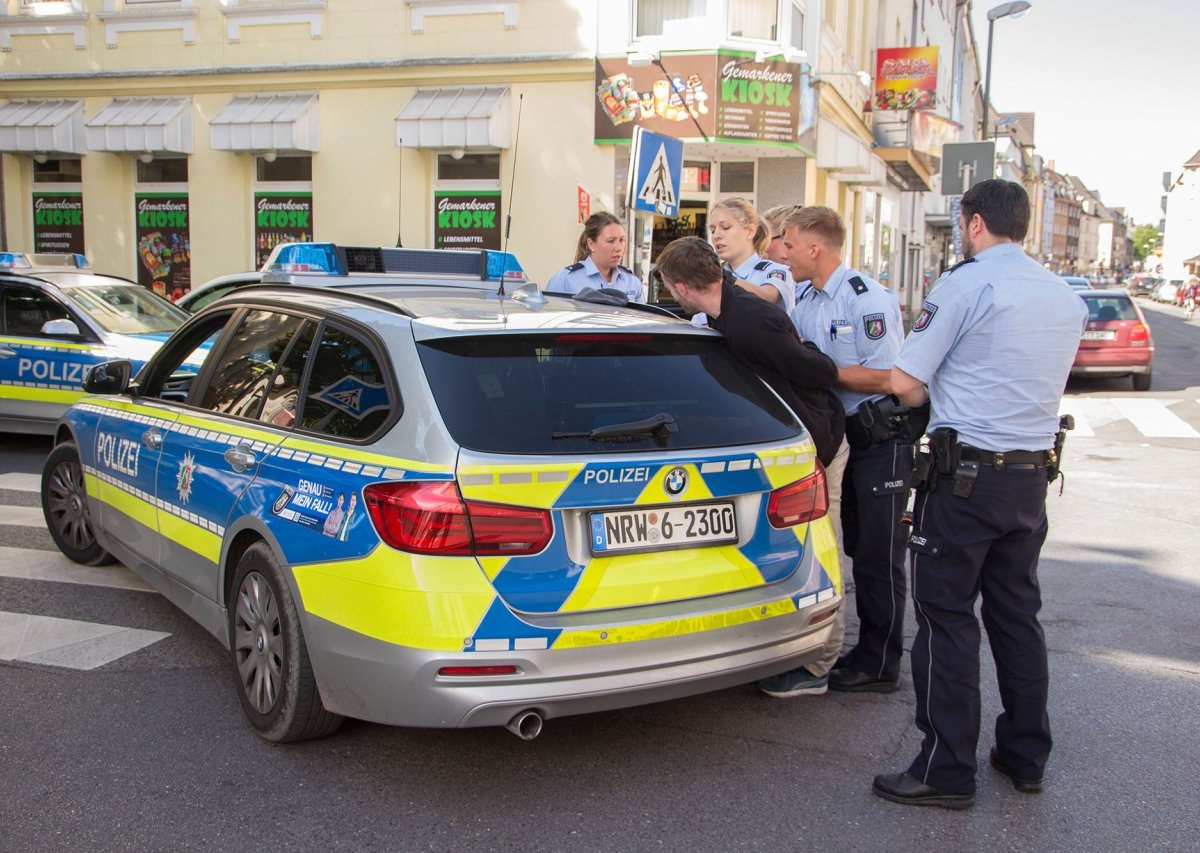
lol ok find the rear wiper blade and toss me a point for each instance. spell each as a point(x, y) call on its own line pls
point(660, 425)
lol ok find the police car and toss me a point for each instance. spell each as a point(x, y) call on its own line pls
point(57, 319)
point(429, 495)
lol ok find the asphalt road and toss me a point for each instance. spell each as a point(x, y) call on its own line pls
point(151, 751)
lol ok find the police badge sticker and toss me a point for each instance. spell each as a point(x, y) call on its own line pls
point(874, 326)
point(186, 477)
point(923, 321)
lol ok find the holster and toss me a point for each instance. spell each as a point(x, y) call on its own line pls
point(887, 418)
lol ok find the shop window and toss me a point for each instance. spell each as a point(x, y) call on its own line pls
point(56, 171)
point(167, 171)
point(469, 166)
point(796, 35)
point(737, 177)
point(655, 16)
point(754, 19)
point(280, 169)
point(696, 177)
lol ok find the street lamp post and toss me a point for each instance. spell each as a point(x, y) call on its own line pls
point(1004, 10)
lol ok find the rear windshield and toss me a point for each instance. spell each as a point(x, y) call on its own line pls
point(1103, 309)
point(540, 394)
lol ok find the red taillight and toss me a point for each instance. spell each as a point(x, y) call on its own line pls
point(431, 518)
point(477, 670)
point(799, 502)
point(1139, 335)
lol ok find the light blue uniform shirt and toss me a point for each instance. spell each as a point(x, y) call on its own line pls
point(854, 329)
point(577, 276)
point(757, 270)
point(994, 342)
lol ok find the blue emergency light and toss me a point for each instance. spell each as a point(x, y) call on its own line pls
point(331, 259)
point(14, 261)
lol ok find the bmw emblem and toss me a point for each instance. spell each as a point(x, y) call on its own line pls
point(675, 482)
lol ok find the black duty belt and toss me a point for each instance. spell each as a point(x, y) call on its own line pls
point(1000, 459)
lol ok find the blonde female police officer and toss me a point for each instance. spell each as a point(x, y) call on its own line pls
point(598, 261)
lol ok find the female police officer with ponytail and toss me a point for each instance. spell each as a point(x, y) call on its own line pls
point(598, 261)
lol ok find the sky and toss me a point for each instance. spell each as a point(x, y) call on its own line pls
point(1115, 85)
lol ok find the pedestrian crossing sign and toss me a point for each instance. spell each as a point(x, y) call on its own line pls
point(656, 167)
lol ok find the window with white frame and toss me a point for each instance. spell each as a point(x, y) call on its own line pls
point(51, 7)
point(653, 16)
point(796, 33)
point(754, 19)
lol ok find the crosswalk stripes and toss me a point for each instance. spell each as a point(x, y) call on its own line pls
point(68, 643)
point(1151, 417)
point(21, 482)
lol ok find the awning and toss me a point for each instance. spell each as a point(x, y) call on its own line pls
point(267, 123)
point(42, 127)
point(156, 125)
point(466, 117)
point(909, 167)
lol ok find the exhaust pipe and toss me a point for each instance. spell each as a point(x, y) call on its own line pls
point(526, 725)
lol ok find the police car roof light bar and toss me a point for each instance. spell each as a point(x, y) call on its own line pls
point(14, 261)
point(305, 257)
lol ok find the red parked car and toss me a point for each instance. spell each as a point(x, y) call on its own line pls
point(1117, 338)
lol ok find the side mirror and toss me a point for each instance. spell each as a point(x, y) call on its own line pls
point(108, 377)
point(60, 328)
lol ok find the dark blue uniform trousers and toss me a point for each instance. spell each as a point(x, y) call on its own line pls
point(987, 543)
point(874, 491)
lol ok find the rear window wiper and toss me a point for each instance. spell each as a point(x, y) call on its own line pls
point(660, 426)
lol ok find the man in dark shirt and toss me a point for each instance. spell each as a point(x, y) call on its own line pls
point(762, 336)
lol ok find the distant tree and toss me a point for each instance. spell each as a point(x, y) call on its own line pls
point(1145, 238)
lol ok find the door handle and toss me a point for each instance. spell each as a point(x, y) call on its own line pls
point(7, 351)
point(240, 458)
point(152, 439)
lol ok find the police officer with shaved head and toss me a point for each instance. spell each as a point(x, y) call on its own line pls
point(991, 349)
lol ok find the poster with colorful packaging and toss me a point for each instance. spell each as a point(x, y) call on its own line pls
point(58, 222)
point(906, 78)
point(164, 243)
point(280, 217)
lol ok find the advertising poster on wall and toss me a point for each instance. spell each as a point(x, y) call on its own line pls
point(164, 243)
point(906, 78)
point(58, 222)
point(280, 217)
point(728, 96)
point(466, 219)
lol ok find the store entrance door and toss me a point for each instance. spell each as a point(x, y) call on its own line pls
point(691, 222)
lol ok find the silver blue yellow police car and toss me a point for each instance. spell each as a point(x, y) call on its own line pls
point(57, 319)
point(430, 495)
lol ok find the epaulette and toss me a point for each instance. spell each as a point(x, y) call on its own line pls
point(623, 268)
point(762, 265)
point(575, 267)
point(860, 286)
point(962, 263)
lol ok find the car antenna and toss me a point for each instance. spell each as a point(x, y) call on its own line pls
point(512, 188)
point(400, 197)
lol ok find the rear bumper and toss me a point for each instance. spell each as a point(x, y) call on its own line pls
point(1113, 360)
point(393, 685)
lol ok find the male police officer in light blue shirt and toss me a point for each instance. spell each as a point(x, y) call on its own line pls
point(856, 322)
point(994, 343)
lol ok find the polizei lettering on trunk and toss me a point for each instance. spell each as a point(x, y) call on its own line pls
point(616, 475)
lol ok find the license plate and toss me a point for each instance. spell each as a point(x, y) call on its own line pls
point(1100, 335)
point(663, 527)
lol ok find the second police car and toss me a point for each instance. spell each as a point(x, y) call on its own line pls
point(57, 319)
point(426, 495)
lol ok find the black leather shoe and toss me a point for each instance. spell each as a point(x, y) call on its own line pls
point(853, 681)
point(1025, 786)
point(911, 791)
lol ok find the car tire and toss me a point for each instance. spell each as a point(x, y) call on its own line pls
point(1141, 381)
point(271, 668)
point(65, 507)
